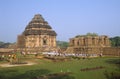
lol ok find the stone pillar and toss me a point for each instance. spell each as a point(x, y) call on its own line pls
point(97, 41)
point(75, 42)
point(39, 40)
point(89, 41)
point(107, 42)
point(71, 42)
point(101, 41)
point(81, 41)
point(54, 41)
point(84, 41)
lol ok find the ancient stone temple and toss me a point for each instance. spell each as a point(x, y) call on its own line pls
point(38, 34)
point(89, 41)
point(88, 44)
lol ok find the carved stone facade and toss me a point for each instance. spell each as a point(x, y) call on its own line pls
point(89, 41)
point(88, 44)
point(37, 34)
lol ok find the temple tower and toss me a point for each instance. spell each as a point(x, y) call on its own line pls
point(37, 34)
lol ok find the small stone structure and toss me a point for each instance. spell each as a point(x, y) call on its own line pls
point(38, 35)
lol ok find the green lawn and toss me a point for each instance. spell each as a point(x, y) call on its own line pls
point(43, 67)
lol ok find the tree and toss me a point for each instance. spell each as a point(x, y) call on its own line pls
point(4, 45)
point(115, 41)
point(62, 44)
point(92, 34)
point(88, 34)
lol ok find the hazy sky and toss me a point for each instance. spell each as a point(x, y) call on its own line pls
point(67, 17)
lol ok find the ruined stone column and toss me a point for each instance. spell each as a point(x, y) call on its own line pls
point(89, 41)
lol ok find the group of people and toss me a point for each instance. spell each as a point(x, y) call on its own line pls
point(8, 57)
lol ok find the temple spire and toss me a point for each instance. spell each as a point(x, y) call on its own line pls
point(37, 34)
point(38, 17)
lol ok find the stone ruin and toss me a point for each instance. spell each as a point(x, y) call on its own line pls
point(38, 35)
point(86, 44)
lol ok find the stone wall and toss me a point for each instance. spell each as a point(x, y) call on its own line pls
point(111, 51)
point(106, 51)
point(20, 41)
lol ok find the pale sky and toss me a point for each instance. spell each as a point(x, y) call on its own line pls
point(67, 17)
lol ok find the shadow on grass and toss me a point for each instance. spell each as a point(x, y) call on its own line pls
point(114, 61)
point(57, 76)
point(33, 74)
point(114, 74)
point(7, 73)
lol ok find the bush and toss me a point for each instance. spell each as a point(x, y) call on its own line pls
point(112, 75)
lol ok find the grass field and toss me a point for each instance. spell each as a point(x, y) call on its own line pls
point(74, 66)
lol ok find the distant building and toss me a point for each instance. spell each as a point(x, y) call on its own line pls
point(86, 44)
point(37, 34)
point(90, 41)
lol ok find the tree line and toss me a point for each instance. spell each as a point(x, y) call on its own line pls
point(4, 44)
point(115, 41)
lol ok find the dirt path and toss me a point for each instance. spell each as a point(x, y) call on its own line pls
point(10, 65)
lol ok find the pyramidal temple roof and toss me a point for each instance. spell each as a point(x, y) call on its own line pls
point(38, 26)
point(38, 17)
